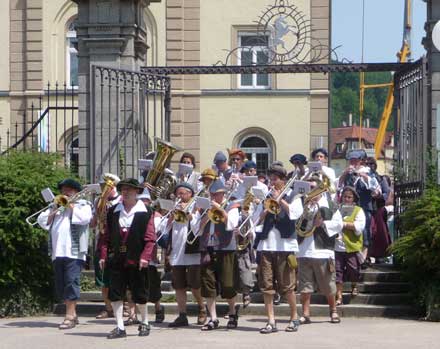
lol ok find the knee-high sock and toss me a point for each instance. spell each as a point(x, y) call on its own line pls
point(118, 310)
point(143, 309)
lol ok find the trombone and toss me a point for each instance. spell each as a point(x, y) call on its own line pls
point(273, 205)
point(62, 201)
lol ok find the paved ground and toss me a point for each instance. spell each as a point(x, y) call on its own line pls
point(42, 332)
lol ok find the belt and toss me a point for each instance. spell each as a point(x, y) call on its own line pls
point(123, 249)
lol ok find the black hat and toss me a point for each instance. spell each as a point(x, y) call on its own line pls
point(71, 183)
point(319, 150)
point(277, 170)
point(298, 157)
point(130, 182)
point(186, 186)
point(248, 165)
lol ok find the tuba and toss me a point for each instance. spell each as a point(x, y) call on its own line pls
point(101, 208)
point(304, 225)
point(163, 183)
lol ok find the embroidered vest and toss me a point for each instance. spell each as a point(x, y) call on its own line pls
point(135, 241)
point(353, 242)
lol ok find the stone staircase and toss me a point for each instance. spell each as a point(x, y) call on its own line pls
point(382, 293)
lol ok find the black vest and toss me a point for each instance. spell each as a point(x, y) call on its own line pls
point(135, 241)
point(282, 222)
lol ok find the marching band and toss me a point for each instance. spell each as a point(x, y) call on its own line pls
point(213, 227)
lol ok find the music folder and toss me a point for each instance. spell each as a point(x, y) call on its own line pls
point(47, 194)
point(167, 205)
point(315, 166)
point(203, 203)
point(144, 164)
point(185, 169)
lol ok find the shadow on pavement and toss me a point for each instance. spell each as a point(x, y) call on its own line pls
point(32, 324)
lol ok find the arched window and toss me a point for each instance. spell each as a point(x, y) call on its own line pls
point(71, 55)
point(73, 154)
point(258, 150)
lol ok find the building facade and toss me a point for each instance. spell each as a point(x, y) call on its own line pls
point(270, 116)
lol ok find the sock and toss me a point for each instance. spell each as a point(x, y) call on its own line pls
point(143, 309)
point(118, 310)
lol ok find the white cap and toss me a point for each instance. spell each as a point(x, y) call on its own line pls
point(113, 177)
point(145, 195)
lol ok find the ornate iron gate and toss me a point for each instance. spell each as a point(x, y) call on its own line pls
point(128, 109)
point(412, 127)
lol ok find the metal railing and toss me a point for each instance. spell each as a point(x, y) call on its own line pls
point(49, 124)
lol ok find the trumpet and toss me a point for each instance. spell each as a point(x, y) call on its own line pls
point(63, 202)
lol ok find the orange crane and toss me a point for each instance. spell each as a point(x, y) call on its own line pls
point(403, 55)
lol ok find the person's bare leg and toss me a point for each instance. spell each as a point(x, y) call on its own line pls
point(108, 304)
point(339, 288)
point(198, 297)
point(268, 304)
point(231, 303)
point(291, 299)
point(305, 301)
point(70, 309)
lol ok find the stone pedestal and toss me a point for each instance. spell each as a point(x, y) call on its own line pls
point(110, 33)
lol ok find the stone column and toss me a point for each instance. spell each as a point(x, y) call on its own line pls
point(433, 16)
point(110, 33)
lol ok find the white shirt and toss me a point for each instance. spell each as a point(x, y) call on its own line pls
point(274, 242)
point(332, 227)
point(81, 214)
point(179, 233)
point(126, 218)
point(359, 225)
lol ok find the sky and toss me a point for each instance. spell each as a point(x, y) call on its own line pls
point(383, 29)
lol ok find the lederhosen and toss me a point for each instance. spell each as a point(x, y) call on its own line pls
point(124, 251)
point(219, 267)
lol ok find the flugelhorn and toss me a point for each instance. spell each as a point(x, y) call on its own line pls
point(273, 205)
point(304, 225)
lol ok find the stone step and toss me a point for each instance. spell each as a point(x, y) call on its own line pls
point(257, 297)
point(365, 287)
point(369, 275)
point(350, 310)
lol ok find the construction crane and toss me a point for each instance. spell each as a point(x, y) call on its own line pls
point(403, 55)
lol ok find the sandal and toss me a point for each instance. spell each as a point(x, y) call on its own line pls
point(339, 302)
point(354, 291)
point(269, 328)
point(67, 324)
point(246, 300)
point(305, 320)
point(105, 314)
point(293, 326)
point(334, 317)
point(210, 325)
point(233, 321)
point(131, 321)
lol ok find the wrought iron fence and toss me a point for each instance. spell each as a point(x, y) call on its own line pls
point(412, 127)
point(129, 109)
point(48, 124)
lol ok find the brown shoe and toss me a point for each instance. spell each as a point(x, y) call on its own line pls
point(202, 317)
point(67, 324)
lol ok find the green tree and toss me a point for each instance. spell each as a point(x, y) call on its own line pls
point(345, 97)
point(25, 269)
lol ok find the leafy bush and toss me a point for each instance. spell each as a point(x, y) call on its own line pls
point(418, 251)
point(25, 271)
